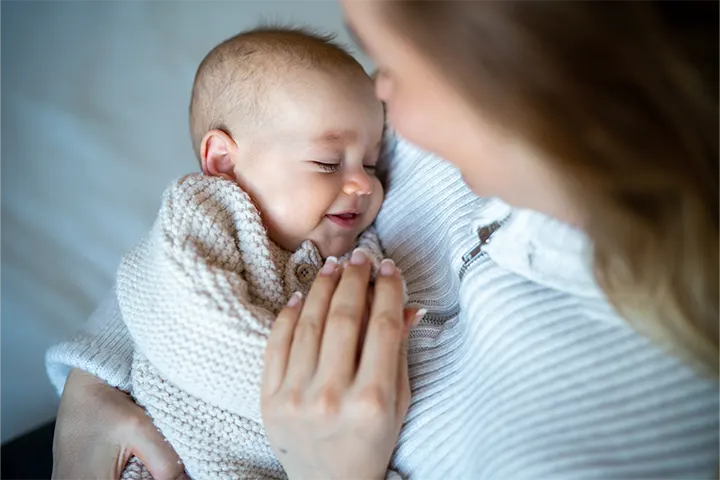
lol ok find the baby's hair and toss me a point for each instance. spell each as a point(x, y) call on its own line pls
point(232, 79)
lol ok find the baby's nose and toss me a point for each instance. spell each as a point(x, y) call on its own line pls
point(358, 184)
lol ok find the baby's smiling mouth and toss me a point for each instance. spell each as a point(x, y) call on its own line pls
point(345, 219)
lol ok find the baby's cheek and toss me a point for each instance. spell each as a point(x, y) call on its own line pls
point(378, 188)
point(288, 222)
point(377, 197)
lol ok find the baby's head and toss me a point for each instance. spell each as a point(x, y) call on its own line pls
point(293, 119)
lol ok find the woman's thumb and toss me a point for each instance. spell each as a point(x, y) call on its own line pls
point(411, 318)
point(157, 455)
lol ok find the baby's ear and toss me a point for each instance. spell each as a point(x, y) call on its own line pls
point(216, 154)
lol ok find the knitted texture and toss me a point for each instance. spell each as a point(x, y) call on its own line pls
point(103, 349)
point(135, 470)
point(521, 369)
point(199, 295)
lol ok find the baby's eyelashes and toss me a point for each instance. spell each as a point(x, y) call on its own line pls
point(334, 167)
point(328, 167)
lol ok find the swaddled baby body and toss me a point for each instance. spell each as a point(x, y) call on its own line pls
point(288, 132)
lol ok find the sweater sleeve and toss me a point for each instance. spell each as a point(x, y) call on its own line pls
point(104, 349)
point(186, 303)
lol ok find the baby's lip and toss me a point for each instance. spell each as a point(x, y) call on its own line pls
point(345, 219)
point(346, 212)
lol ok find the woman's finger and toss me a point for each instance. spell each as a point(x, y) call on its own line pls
point(155, 453)
point(402, 393)
point(279, 344)
point(412, 318)
point(363, 326)
point(378, 363)
point(340, 342)
point(309, 329)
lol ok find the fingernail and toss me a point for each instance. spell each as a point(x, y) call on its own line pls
point(329, 267)
point(387, 268)
point(418, 316)
point(294, 299)
point(358, 257)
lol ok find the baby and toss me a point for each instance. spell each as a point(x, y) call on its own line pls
point(288, 132)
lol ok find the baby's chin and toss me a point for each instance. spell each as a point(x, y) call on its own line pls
point(335, 247)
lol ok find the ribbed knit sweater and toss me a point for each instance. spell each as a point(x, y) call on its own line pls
point(521, 369)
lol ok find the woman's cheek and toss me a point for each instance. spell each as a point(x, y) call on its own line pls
point(383, 87)
point(409, 122)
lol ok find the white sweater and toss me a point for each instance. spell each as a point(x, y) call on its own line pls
point(521, 369)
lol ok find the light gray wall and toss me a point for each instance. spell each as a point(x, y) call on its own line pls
point(94, 125)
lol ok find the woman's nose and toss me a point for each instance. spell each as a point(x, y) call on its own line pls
point(358, 182)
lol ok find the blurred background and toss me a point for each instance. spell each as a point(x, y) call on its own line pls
point(94, 125)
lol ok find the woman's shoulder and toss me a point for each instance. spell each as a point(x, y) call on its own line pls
point(426, 223)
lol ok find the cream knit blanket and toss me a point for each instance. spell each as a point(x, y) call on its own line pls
point(199, 295)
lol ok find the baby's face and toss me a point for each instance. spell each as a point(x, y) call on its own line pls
point(311, 167)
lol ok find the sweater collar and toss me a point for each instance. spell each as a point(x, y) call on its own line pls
point(540, 248)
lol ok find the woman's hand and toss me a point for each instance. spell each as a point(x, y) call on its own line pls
point(99, 428)
point(333, 404)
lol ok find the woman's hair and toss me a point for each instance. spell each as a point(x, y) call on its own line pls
point(622, 99)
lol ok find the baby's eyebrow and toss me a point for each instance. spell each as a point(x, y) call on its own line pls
point(338, 136)
point(334, 136)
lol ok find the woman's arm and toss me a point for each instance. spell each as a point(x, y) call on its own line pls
point(98, 428)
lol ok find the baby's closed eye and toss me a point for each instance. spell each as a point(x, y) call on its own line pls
point(329, 167)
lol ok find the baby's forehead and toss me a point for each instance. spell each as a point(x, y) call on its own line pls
point(276, 86)
point(326, 105)
point(233, 82)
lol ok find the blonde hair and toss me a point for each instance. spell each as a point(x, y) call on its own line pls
point(622, 97)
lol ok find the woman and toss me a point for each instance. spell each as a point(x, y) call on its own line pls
point(574, 335)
